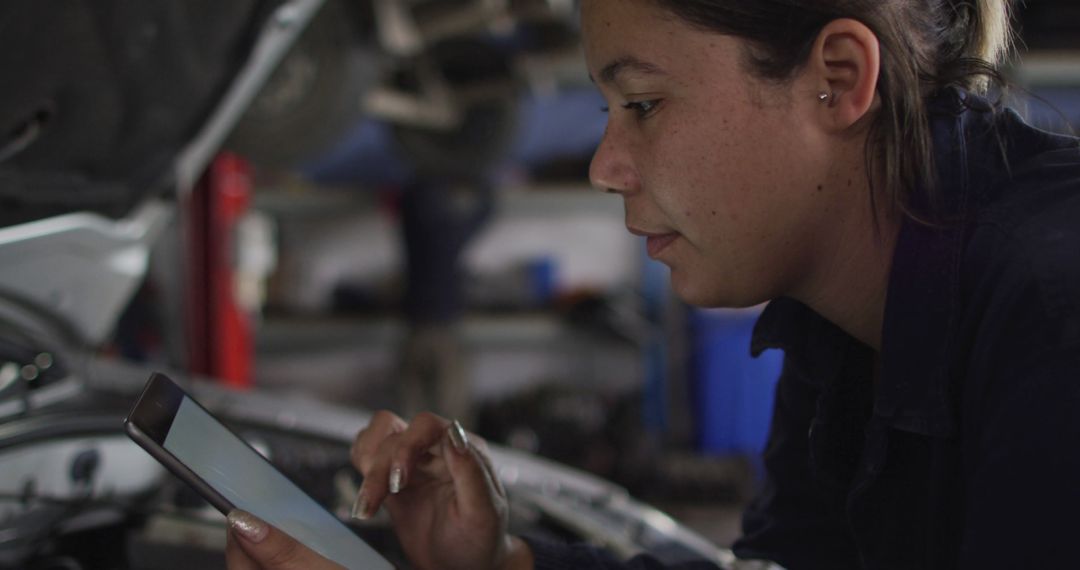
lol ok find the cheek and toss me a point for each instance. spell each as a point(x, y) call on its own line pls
point(755, 175)
point(714, 177)
point(688, 169)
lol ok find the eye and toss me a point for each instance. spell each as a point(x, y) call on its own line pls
point(642, 108)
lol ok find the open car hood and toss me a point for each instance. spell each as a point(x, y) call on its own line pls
point(101, 96)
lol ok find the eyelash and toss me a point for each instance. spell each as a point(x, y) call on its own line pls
point(641, 108)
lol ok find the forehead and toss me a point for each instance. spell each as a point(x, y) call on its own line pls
point(628, 19)
point(640, 38)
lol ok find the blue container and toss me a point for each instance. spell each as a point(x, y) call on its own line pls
point(733, 392)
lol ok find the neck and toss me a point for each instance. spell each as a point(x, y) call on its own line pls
point(855, 261)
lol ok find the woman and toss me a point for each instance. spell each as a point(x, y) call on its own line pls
point(922, 251)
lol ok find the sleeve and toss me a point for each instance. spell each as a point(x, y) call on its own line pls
point(795, 520)
point(554, 556)
point(1022, 407)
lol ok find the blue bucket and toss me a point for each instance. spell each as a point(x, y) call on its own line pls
point(733, 392)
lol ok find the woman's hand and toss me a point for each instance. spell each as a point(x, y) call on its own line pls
point(251, 544)
point(448, 507)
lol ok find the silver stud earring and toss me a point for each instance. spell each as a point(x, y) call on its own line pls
point(824, 96)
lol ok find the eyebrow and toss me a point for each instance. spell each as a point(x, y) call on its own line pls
point(628, 63)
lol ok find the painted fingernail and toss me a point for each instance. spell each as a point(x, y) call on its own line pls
point(248, 525)
point(458, 437)
point(396, 475)
point(360, 507)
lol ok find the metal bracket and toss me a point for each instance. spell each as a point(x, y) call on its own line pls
point(277, 37)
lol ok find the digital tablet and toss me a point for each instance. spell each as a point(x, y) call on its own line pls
point(230, 474)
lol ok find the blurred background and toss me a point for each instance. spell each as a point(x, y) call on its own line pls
point(401, 218)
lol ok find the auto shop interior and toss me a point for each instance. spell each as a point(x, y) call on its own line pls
point(304, 211)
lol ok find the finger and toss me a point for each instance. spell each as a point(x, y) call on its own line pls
point(482, 451)
point(480, 447)
point(272, 549)
point(424, 432)
point(235, 557)
point(383, 424)
point(395, 461)
point(376, 485)
point(474, 488)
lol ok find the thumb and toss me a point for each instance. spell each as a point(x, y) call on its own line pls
point(473, 485)
point(272, 549)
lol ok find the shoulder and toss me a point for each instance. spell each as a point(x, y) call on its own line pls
point(1023, 253)
point(1020, 289)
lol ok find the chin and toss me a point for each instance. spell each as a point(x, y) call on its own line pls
point(713, 296)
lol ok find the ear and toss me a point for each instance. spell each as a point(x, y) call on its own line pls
point(845, 64)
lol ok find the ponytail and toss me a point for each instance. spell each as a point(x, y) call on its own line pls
point(975, 38)
point(989, 36)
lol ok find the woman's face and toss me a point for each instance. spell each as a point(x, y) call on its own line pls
point(719, 169)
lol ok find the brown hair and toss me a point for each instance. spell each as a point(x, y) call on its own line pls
point(925, 45)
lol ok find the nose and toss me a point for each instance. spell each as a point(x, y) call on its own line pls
point(611, 169)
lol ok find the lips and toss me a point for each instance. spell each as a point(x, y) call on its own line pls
point(655, 243)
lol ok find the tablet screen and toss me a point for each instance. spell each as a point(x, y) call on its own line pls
point(250, 483)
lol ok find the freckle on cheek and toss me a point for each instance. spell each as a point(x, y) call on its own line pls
point(820, 188)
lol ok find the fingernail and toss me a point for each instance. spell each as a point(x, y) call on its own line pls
point(360, 507)
point(396, 475)
point(248, 525)
point(458, 437)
